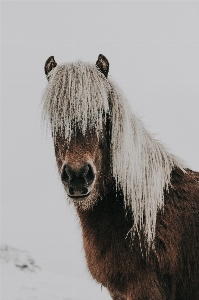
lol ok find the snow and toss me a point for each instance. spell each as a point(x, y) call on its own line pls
point(23, 279)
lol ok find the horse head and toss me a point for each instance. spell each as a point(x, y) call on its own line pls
point(83, 156)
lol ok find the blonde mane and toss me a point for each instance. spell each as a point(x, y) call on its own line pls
point(77, 93)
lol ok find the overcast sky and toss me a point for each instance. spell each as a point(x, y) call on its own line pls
point(153, 50)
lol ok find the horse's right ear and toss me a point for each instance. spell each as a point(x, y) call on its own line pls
point(103, 64)
point(49, 65)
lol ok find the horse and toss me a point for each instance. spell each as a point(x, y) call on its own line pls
point(138, 204)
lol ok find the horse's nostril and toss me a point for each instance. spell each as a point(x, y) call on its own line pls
point(71, 191)
point(77, 181)
point(90, 174)
point(64, 175)
point(84, 190)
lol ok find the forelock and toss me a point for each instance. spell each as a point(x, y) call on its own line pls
point(77, 96)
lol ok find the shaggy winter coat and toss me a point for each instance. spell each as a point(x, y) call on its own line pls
point(137, 203)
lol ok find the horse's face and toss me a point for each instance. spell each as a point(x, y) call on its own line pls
point(81, 158)
point(81, 164)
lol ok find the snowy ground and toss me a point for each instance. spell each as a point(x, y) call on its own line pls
point(22, 279)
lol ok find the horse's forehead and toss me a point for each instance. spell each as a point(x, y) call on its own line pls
point(79, 150)
point(79, 142)
point(84, 142)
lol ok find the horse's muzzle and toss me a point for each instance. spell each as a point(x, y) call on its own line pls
point(78, 182)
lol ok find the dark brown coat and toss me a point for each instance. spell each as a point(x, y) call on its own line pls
point(171, 270)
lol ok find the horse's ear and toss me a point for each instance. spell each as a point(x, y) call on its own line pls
point(103, 64)
point(49, 65)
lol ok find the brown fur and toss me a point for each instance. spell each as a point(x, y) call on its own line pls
point(121, 259)
point(171, 269)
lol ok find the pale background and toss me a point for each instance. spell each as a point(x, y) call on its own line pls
point(153, 50)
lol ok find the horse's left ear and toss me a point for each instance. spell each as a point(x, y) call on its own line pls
point(49, 65)
point(103, 64)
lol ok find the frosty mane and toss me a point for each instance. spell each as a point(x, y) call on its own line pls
point(78, 94)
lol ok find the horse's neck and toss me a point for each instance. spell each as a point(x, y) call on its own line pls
point(106, 241)
point(106, 221)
